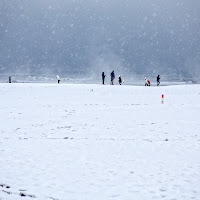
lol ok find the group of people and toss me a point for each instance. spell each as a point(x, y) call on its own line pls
point(112, 76)
point(148, 83)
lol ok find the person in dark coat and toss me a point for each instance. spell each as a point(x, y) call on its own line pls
point(112, 75)
point(120, 80)
point(158, 80)
point(103, 77)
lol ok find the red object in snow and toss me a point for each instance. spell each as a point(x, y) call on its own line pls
point(162, 98)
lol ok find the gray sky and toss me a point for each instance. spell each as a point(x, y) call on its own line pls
point(90, 36)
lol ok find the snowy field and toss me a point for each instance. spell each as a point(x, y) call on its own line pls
point(94, 142)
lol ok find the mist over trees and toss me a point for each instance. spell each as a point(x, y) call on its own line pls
point(90, 36)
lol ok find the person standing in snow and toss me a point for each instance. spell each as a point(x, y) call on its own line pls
point(158, 80)
point(120, 80)
point(58, 78)
point(112, 75)
point(103, 77)
point(146, 81)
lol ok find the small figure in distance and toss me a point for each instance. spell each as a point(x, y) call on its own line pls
point(149, 83)
point(158, 80)
point(58, 78)
point(112, 75)
point(146, 81)
point(103, 77)
point(120, 80)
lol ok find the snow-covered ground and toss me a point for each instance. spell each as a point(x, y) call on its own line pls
point(94, 142)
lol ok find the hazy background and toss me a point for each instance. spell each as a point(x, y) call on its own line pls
point(82, 38)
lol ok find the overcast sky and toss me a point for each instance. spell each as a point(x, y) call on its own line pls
point(90, 36)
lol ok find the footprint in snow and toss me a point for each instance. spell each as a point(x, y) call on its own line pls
point(4, 186)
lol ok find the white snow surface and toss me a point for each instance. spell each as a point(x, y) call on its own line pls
point(95, 142)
